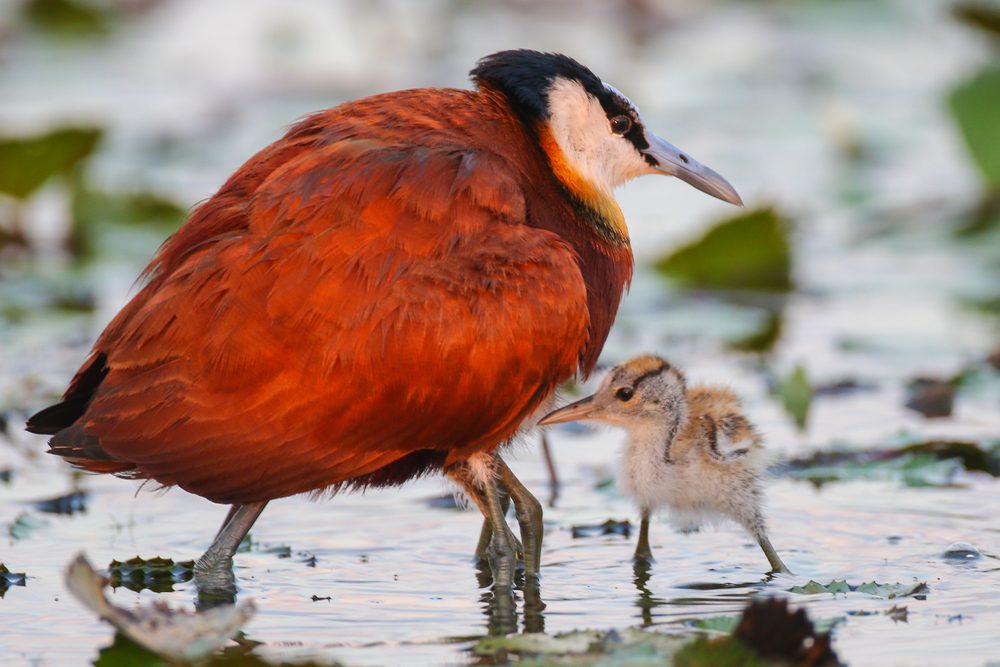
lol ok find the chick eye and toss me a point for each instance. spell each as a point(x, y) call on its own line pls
point(621, 124)
point(624, 394)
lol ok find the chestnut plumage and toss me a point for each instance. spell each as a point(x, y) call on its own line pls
point(392, 288)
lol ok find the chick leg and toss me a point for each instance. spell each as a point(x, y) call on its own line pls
point(642, 550)
point(777, 567)
point(529, 517)
point(213, 573)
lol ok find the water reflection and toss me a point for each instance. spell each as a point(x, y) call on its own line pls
point(499, 604)
point(645, 602)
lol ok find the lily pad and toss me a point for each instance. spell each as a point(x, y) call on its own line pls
point(588, 647)
point(26, 163)
point(974, 104)
point(25, 525)
point(71, 503)
point(724, 624)
point(917, 590)
point(747, 252)
point(609, 527)
point(156, 574)
point(8, 579)
point(913, 469)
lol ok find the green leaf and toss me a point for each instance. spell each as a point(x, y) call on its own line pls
point(25, 164)
point(891, 591)
point(912, 468)
point(67, 17)
point(796, 394)
point(975, 104)
point(748, 252)
point(724, 624)
point(8, 579)
point(126, 653)
point(704, 652)
point(156, 574)
point(814, 587)
point(630, 646)
point(887, 591)
point(24, 525)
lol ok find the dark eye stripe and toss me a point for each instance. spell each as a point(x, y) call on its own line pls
point(652, 373)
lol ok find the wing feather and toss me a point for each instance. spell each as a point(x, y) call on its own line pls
point(375, 300)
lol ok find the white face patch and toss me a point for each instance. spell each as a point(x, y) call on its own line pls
point(583, 132)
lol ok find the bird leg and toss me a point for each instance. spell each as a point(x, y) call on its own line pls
point(213, 573)
point(502, 553)
point(486, 534)
point(777, 567)
point(642, 551)
point(472, 486)
point(529, 517)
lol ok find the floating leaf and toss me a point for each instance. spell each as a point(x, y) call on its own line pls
point(609, 527)
point(913, 469)
point(8, 579)
point(748, 252)
point(726, 652)
point(814, 587)
point(589, 647)
point(891, 591)
point(156, 574)
point(974, 104)
point(888, 591)
point(767, 634)
point(25, 164)
point(24, 525)
point(725, 624)
point(796, 396)
point(70, 503)
point(972, 455)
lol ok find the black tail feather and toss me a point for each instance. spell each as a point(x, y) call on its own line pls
point(55, 418)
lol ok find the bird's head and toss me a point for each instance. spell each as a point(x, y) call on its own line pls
point(643, 392)
point(593, 135)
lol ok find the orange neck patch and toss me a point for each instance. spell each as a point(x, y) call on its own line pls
point(607, 214)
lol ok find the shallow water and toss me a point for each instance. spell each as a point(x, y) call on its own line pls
point(766, 94)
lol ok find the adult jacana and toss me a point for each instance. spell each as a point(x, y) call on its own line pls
point(691, 450)
point(392, 288)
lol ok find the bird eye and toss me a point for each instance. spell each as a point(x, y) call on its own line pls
point(624, 394)
point(621, 124)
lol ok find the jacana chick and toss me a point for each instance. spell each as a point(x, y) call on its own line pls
point(690, 450)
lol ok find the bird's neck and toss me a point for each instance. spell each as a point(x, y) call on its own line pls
point(589, 221)
point(595, 202)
